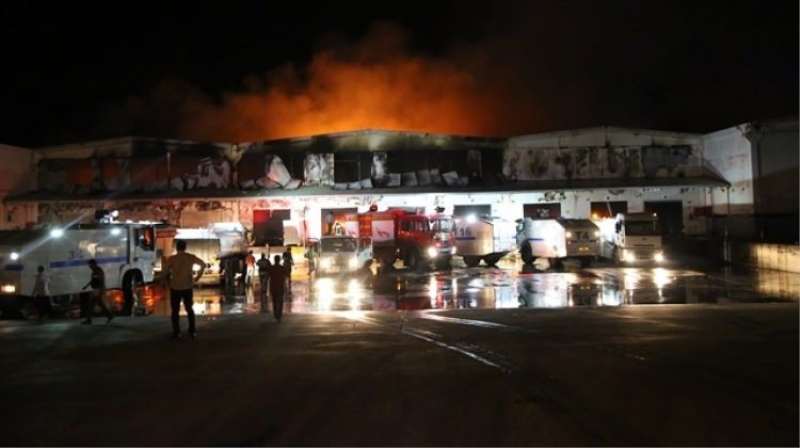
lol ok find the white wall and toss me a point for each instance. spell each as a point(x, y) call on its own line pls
point(729, 153)
point(778, 161)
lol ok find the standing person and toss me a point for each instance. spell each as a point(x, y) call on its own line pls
point(329, 223)
point(263, 265)
point(250, 268)
point(288, 262)
point(311, 256)
point(41, 292)
point(180, 278)
point(98, 294)
point(277, 287)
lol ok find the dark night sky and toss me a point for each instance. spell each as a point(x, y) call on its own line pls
point(243, 71)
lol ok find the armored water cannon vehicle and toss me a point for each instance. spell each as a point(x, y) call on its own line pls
point(483, 238)
point(124, 250)
point(631, 238)
point(558, 240)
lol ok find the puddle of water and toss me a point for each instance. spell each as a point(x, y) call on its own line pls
point(508, 287)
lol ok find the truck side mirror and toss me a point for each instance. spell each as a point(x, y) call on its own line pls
point(618, 226)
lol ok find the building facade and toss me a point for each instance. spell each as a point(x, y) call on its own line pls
point(698, 184)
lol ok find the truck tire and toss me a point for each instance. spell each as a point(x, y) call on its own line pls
point(615, 257)
point(556, 264)
point(491, 260)
point(444, 263)
point(471, 261)
point(526, 253)
point(412, 259)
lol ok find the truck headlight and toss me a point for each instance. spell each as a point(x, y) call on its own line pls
point(353, 263)
point(432, 252)
point(659, 257)
point(9, 289)
point(325, 263)
point(628, 256)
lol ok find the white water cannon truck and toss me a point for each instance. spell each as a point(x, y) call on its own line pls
point(631, 238)
point(484, 238)
point(558, 240)
point(125, 251)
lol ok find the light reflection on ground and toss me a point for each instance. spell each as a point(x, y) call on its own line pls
point(507, 287)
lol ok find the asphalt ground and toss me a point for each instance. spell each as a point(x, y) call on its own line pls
point(655, 375)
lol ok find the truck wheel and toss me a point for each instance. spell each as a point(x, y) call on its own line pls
point(387, 263)
point(412, 259)
point(492, 260)
point(471, 261)
point(444, 263)
point(615, 257)
point(527, 254)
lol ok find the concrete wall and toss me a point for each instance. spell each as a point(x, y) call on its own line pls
point(729, 153)
point(760, 160)
point(772, 257)
point(777, 180)
point(777, 154)
point(779, 257)
point(603, 153)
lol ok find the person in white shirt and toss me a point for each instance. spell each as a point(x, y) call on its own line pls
point(180, 277)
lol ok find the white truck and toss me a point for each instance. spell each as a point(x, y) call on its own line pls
point(125, 251)
point(631, 238)
point(221, 245)
point(485, 238)
point(558, 240)
point(341, 254)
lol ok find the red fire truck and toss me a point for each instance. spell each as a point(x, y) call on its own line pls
point(410, 235)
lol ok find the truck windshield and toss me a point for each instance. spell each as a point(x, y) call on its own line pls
point(145, 238)
point(441, 225)
point(338, 244)
point(643, 228)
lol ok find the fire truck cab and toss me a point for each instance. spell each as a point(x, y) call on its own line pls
point(416, 238)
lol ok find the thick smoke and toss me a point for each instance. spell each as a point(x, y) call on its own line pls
point(525, 67)
point(375, 83)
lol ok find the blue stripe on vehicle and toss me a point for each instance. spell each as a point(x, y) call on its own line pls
point(461, 238)
point(100, 261)
point(13, 267)
point(535, 239)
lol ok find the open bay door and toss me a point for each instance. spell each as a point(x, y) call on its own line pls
point(291, 233)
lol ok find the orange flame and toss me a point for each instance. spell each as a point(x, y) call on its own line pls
point(373, 84)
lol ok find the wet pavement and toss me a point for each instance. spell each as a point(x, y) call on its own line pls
point(505, 356)
point(508, 285)
point(670, 375)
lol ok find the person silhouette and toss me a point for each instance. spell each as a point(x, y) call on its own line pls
point(277, 287)
point(180, 277)
point(98, 283)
